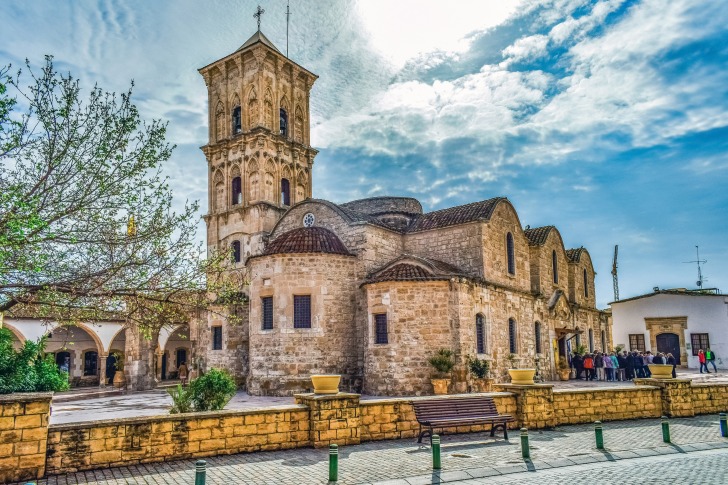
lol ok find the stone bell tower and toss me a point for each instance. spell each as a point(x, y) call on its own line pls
point(259, 154)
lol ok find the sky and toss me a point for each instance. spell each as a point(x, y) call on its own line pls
point(605, 118)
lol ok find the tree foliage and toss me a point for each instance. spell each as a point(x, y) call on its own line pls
point(212, 391)
point(87, 227)
point(28, 369)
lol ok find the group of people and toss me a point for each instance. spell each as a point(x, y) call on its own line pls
point(705, 358)
point(619, 366)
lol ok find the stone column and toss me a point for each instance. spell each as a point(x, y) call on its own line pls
point(333, 418)
point(102, 370)
point(23, 444)
point(534, 404)
point(677, 395)
point(158, 367)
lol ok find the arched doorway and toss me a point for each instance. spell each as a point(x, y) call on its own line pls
point(79, 348)
point(669, 343)
point(63, 361)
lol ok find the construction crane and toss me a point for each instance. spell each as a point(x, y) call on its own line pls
point(614, 274)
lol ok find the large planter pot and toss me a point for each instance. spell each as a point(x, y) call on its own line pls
point(522, 377)
point(326, 384)
point(440, 385)
point(661, 371)
point(484, 384)
point(119, 379)
point(564, 374)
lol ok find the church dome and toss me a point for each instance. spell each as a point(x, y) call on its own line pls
point(307, 240)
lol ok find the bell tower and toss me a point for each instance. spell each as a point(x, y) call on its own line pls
point(259, 155)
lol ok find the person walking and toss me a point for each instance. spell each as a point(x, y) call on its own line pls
point(710, 359)
point(671, 361)
point(702, 360)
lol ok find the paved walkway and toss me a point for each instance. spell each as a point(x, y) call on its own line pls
point(466, 458)
point(91, 404)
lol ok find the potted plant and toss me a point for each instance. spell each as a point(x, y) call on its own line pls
point(119, 377)
point(520, 377)
point(443, 363)
point(564, 370)
point(480, 368)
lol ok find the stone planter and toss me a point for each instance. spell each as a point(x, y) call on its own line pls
point(484, 384)
point(661, 371)
point(326, 384)
point(522, 377)
point(440, 386)
point(564, 374)
point(119, 379)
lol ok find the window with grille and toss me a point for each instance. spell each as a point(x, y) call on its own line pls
point(512, 336)
point(284, 122)
point(267, 304)
point(285, 192)
point(90, 363)
point(591, 340)
point(480, 333)
point(555, 266)
point(217, 338)
point(236, 251)
point(699, 341)
point(380, 322)
point(586, 285)
point(637, 341)
point(537, 336)
point(510, 249)
point(302, 311)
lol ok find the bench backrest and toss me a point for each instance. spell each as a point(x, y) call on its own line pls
point(462, 407)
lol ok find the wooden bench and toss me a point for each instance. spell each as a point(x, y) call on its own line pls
point(459, 411)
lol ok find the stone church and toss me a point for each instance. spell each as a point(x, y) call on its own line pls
point(372, 288)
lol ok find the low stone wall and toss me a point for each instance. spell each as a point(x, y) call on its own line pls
point(23, 435)
point(389, 419)
point(102, 444)
point(573, 406)
point(710, 398)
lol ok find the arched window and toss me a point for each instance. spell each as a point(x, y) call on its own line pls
point(591, 340)
point(586, 285)
point(237, 120)
point(236, 251)
point(284, 122)
point(285, 192)
point(555, 266)
point(90, 363)
point(480, 333)
point(537, 336)
point(63, 361)
point(512, 338)
point(237, 191)
point(511, 253)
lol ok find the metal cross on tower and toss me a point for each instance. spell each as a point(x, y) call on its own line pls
point(258, 13)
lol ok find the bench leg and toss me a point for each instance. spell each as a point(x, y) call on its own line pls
point(423, 433)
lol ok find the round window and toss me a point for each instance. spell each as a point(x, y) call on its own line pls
point(308, 220)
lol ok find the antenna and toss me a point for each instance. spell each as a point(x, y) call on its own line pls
point(615, 282)
point(700, 271)
point(288, 16)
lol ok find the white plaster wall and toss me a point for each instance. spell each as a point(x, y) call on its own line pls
point(705, 314)
point(33, 329)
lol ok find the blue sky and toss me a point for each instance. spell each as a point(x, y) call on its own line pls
point(606, 118)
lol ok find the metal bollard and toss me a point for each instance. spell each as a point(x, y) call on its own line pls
point(525, 451)
point(200, 472)
point(723, 425)
point(333, 463)
point(599, 435)
point(665, 430)
point(436, 460)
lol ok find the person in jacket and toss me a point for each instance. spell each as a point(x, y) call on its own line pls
point(671, 361)
point(710, 359)
point(629, 370)
point(615, 366)
point(589, 367)
point(599, 365)
point(659, 359)
point(702, 360)
point(647, 359)
point(622, 365)
point(578, 363)
point(608, 367)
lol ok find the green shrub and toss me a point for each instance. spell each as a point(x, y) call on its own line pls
point(212, 391)
point(442, 361)
point(182, 399)
point(28, 369)
point(478, 367)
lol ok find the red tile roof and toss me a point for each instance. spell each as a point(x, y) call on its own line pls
point(538, 235)
point(307, 240)
point(477, 211)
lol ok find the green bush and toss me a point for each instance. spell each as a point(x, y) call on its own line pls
point(182, 399)
point(28, 369)
point(212, 391)
point(478, 367)
point(442, 361)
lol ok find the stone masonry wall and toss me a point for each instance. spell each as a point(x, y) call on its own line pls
point(23, 435)
point(710, 398)
point(574, 406)
point(102, 444)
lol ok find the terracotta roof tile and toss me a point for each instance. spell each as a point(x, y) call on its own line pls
point(574, 255)
point(307, 240)
point(406, 272)
point(477, 211)
point(538, 235)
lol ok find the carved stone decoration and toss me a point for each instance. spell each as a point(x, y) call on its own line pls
point(298, 126)
point(253, 113)
point(219, 121)
point(268, 107)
